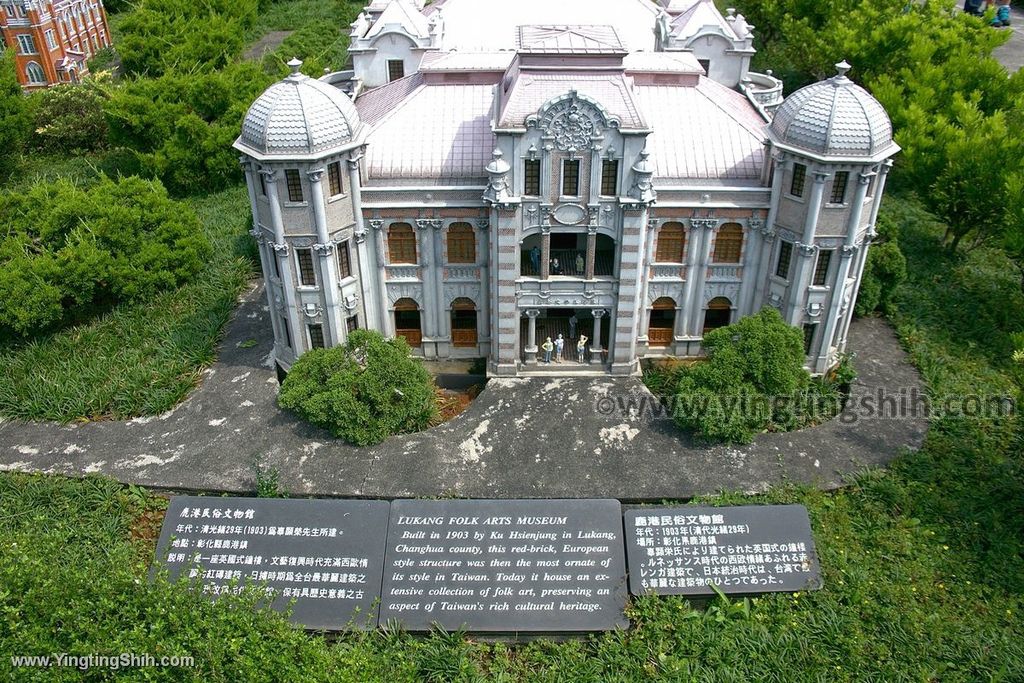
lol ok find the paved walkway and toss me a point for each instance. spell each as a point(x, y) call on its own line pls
point(1011, 53)
point(520, 438)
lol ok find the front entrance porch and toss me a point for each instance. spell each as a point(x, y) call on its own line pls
point(538, 324)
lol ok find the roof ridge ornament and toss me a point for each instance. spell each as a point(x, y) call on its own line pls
point(295, 64)
point(841, 69)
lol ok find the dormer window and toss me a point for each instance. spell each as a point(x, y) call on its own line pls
point(570, 178)
point(396, 69)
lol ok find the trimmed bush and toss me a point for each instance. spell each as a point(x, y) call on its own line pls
point(752, 381)
point(69, 119)
point(363, 392)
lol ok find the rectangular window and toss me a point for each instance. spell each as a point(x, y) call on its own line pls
point(307, 274)
point(396, 69)
point(610, 177)
point(785, 255)
point(839, 187)
point(809, 330)
point(316, 336)
point(344, 260)
point(570, 177)
point(51, 40)
point(821, 268)
point(796, 185)
point(287, 332)
point(294, 183)
point(871, 185)
point(531, 177)
point(26, 45)
point(352, 323)
point(263, 183)
point(277, 264)
point(334, 179)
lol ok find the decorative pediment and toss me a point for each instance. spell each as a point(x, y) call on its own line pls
point(573, 121)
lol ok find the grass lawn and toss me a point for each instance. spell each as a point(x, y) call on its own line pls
point(136, 359)
point(923, 566)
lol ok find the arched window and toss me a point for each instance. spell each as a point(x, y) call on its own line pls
point(401, 243)
point(407, 322)
point(663, 321)
point(35, 73)
point(461, 243)
point(719, 314)
point(729, 244)
point(671, 243)
point(463, 323)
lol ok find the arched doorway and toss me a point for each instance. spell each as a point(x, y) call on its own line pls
point(718, 314)
point(407, 322)
point(463, 323)
point(663, 322)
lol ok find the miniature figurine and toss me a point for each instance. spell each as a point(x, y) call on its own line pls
point(579, 264)
point(535, 259)
point(548, 347)
point(559, 345)
point(581, 348)
point(572, 326)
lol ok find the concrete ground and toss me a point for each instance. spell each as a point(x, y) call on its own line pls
point(532, 437)
point(1011, 53)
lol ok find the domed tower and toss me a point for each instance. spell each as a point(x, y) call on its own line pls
point(830, 146)
point(301, 143)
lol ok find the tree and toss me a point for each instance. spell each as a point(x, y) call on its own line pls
point(363, 391)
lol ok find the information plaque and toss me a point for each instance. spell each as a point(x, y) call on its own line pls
point(324, 557)
point(505, 566)
point(747, 549)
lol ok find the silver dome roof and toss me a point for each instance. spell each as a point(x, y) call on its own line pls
point(298, 116)
point(834, 118)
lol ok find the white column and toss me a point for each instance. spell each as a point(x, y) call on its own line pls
point(531, 336)
point(706, 227)
point(595, 342)
point(806, 251)
point(694, 239)
point(753, 250)
point(644, 273)
point(387, 327)
point(846, 256)
point(260, 237)
point(768, 237)
point(372, 308)
point(280, 251)
point(328, 269)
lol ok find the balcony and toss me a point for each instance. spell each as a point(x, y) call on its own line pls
point(763, 90)
point(564, 292)
point(571, 263)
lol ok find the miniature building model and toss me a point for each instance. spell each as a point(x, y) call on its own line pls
point(52, 39)
point(598, 167)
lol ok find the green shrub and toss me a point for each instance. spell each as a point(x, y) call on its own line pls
point(68, 251)
point(753, 380)
point(363, 392)
point(69, 119)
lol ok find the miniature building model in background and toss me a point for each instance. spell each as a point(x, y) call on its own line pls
point(52, 39)
point(608, 168)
